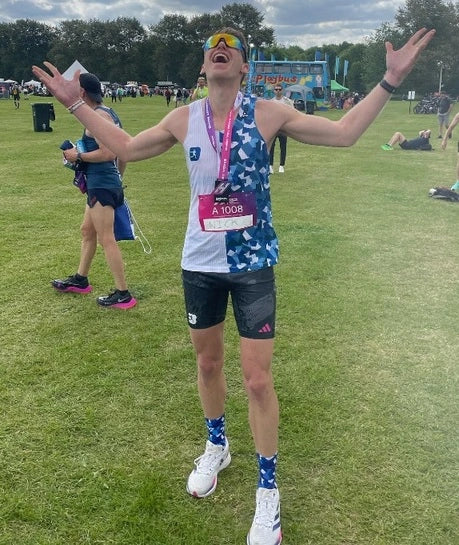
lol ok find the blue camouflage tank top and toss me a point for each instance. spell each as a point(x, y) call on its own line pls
point(248, 249)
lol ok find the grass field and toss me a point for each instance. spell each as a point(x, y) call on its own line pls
point(100, 418)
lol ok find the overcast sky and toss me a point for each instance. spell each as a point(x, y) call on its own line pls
point(296, 22)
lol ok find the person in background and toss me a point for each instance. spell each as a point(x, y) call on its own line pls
point(178, 97)
point(16, 96)
point(418, 143)
point(444, 109)
point(168, 95)
point(279, 97)
point(230, 244)
point(201, 90)
point(348, 102)
point(104, 194)
point(444, 143)
point(186, 95)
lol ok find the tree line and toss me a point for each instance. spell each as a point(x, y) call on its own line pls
point(122, 49)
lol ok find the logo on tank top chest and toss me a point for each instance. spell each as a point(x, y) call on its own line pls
point(194, 153)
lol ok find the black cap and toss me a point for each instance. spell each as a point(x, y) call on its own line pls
point(91, 84)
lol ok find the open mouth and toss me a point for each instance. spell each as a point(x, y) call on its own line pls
point(220, 57)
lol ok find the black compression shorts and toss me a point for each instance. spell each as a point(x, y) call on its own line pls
point(253, 296)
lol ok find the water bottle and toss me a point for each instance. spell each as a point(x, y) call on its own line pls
point(79, 144)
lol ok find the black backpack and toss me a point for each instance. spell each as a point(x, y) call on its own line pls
point(444, 193)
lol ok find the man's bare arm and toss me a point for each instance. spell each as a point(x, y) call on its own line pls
point(346, 131)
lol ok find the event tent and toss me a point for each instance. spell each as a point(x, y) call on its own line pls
point(33, 83)
point(335, 86)
point(293, 91)
point(70, 72)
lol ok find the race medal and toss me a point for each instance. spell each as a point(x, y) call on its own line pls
point(239, 212)
point(222, 191)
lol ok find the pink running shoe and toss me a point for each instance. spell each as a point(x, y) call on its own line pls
point(74, 284)
point(117, 299)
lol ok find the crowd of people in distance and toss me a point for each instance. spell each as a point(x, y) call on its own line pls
point(344, 101)
point(15, 90)
point(172, 93)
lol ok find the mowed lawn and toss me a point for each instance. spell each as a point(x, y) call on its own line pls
point(100, 417)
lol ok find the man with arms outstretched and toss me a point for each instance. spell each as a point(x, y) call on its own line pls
point(230, 244)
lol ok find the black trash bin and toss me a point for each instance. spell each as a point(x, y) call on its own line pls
point(299, 104)
point(310, 107)
point(43, 113)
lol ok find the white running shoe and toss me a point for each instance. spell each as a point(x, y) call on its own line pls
point(271, 170)
point(203, 479)
point(266, 527)
point(281, 169)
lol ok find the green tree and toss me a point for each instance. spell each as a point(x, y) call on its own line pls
point(250, 21)
point(70, 44)
point(200, 28)
point(110, 49)
point(415, 14)
point(84, 41)
point(444, 18)
point(375, 53)
point(124, 38)
point(179, 54)
point(24, 43)
point(6, 38)
point(145, 63)
point(122, 49)
point(354, 54)
point(296, 53)
point(174, 37)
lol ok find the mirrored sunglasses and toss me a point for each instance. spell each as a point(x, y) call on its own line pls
point(231, 41)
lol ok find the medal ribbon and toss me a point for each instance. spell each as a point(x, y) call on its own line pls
point(226, 146)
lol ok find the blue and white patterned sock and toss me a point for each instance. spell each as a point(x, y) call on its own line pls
point(267, 469)
point(216, 430)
